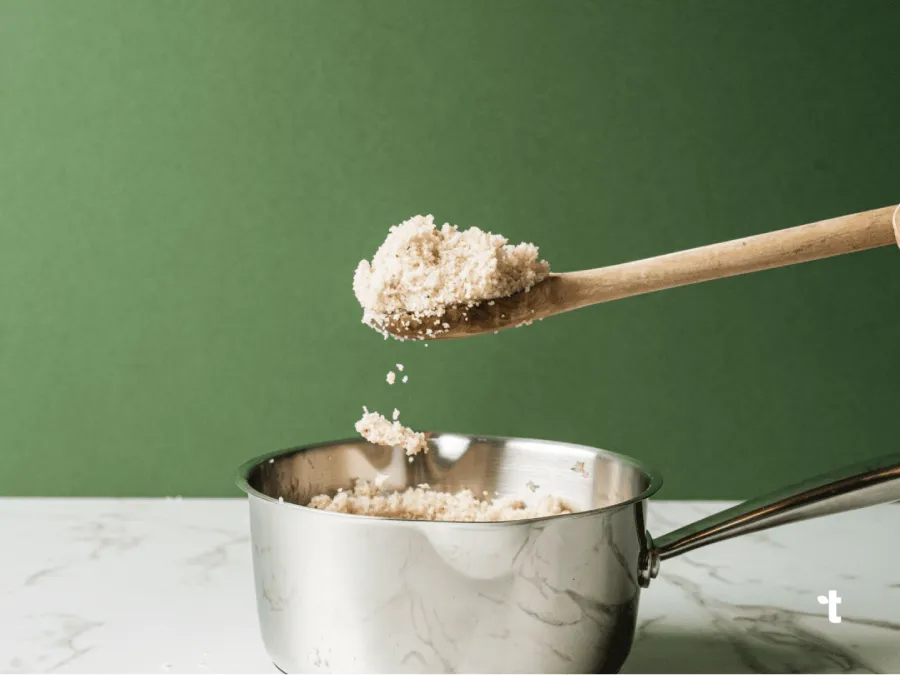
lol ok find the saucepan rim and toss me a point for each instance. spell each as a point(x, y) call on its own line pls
point(655, 483)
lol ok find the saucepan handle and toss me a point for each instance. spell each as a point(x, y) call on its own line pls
point(867, 483)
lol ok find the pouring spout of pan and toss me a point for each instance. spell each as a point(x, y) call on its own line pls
point(868, 483)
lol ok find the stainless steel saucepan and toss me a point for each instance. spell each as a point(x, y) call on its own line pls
point(343, 593)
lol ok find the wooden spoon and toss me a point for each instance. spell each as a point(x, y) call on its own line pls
point(572, 290)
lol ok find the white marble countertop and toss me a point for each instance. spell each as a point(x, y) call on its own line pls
point(156, 586)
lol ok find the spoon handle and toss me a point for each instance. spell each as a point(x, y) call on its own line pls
point(823, 239)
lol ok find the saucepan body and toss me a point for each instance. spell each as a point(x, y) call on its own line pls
point(344, 593)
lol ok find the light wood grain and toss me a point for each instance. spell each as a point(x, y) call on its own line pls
point(573, 290)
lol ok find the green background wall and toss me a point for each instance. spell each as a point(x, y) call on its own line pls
point(187, 187)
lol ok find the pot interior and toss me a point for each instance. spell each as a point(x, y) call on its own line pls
point(454, 462)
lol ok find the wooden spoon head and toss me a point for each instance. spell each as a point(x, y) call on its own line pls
point(486, 317)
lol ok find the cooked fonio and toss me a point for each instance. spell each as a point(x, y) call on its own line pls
point(424, 503)
point(419, 271)
point(376, 428)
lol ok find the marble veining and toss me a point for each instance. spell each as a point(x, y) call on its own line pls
point(113, 586)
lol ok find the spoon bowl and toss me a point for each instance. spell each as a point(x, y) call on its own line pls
point(489, 316)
